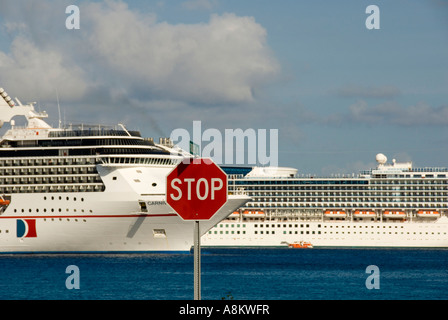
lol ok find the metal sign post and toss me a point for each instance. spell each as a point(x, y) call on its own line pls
point(196, 190)
point(197, 261)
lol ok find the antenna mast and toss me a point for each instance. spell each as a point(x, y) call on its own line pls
point(59, 108)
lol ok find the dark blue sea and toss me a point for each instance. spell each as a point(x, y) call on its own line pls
point(231, 274)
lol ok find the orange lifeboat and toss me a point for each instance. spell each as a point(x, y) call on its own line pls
point(364, 213)
point(394, 214)
point(253, 212)
point(335, 213)
point(4, 202)
point(300, 245)
point(428, 214)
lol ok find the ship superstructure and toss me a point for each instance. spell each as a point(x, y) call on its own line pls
point(393, 205)
point(87, 188)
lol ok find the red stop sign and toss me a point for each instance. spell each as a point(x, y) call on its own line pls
point(196, 189)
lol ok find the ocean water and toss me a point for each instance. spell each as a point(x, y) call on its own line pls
point(238, 274)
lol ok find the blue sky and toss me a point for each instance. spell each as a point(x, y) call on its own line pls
point(337, 92)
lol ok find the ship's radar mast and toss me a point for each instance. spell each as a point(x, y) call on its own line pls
point(381, 158)
point(382, 163)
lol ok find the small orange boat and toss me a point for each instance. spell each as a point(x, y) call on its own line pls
point(300, 245)
point(4, 202)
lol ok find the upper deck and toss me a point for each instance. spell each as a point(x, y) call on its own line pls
point(388, 188)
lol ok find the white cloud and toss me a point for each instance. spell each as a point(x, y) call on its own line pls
point(40, 72)
point(221, 61)
point(124, 52)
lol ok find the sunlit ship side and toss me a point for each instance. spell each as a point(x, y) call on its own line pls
point(87, 189)
point(393, 205)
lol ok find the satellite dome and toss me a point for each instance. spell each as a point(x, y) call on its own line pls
point(381, 158)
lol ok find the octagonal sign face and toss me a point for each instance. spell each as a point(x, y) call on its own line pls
point(196, 189)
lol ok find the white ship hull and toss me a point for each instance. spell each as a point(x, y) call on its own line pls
point(329, 234)
point(88, 188)
point(113, 225)
point(100, 189)
point(393, 205)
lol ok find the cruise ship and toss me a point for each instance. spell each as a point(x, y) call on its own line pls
point(87, 188)
point(392, 205)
